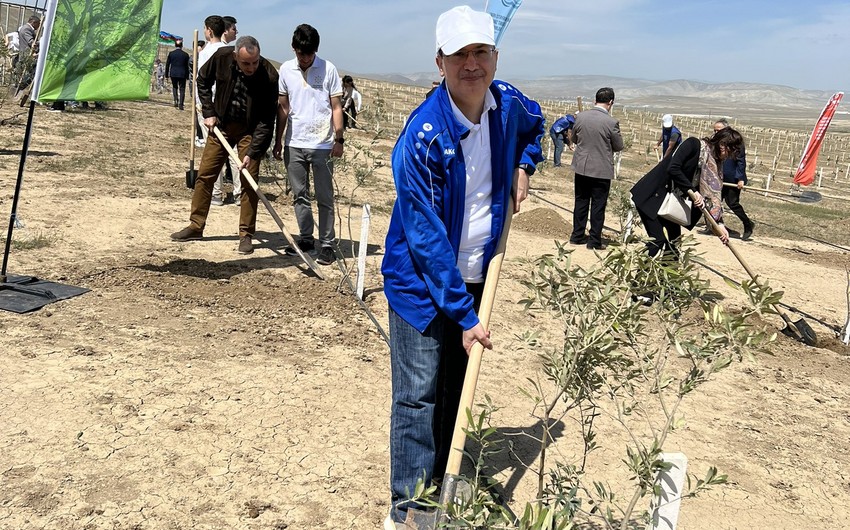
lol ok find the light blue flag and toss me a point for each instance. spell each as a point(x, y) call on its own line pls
point(502, 12)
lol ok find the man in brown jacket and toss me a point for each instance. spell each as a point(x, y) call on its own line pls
point(244, 108)
point(597, 136)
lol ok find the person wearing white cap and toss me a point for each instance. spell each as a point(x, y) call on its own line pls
point(456, 162)
point(671, 137)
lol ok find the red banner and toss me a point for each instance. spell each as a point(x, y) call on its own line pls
point(805, 174)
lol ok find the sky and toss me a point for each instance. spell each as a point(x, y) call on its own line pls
point(802, 44)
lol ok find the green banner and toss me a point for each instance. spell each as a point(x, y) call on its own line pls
point(99, 50)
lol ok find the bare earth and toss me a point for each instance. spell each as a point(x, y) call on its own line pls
point(194, 388)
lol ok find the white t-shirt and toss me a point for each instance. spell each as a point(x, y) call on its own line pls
point(204, 56)
point(14, 42)
point(208, 51)
point(310, 123)
point(477, 215)
point(355, 95)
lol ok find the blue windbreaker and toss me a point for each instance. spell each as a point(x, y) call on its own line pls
point(562, 124)
point(420, 266)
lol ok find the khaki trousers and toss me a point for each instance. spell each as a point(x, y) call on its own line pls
point(212, 160)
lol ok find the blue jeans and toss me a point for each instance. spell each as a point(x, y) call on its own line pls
point(427, 372)
point(558, 142)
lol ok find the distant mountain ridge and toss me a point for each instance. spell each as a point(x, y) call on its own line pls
point(643, 92)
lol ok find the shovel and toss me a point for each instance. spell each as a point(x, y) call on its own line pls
point(191, 173)
point(800, 330)
point(420, 520)
point(306, 257)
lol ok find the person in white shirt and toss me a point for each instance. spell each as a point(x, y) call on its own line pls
point(12, 46)
point(462, 154)
point(214, 29)
point(310, 112)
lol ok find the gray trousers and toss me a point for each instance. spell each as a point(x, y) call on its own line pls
point(298, 163)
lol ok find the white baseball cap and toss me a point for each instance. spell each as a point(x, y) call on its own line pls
point(461, 26)
point(667, 120)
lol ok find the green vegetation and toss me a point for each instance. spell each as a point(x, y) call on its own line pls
point(29, 242)
point(621, 364)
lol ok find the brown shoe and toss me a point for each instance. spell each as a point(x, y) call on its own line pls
point(187, 234)
point(245, 246)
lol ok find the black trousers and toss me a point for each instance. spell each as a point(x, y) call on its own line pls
point(732, 196)
point(178, 84)
point(450, 379)
point(655, 229)
point(591, 197)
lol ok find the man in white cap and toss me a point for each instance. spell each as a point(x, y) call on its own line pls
point(671, 137)
point(456, 162)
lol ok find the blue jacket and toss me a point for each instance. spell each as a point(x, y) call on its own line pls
point(735, 169)
point(420, 266)
point(561, 125)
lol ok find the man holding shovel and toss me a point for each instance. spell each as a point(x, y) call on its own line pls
point(454, 165)
point(244, 107)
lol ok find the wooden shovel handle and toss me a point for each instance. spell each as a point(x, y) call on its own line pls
point(710, 220)
point(194, 94)
point(304, 256)
point(470, 380)
point(716, 229)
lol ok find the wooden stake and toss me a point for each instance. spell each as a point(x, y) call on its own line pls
point(665, 506)
point(361, 252)
point(846, 339)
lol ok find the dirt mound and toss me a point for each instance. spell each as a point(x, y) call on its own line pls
point(543, 222)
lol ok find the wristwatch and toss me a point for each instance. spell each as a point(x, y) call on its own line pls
point(340, 140)
point(528, 168)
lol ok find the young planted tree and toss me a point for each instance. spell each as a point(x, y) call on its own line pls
point(639, 336)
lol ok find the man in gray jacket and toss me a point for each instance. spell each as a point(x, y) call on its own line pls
point(27, 51)
point(597, 136)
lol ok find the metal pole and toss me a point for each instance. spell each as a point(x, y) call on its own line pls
point(12, 217)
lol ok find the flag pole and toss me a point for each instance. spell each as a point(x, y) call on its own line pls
point(4, 283)
point(18, 184)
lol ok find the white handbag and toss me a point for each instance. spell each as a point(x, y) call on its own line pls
point(676, 209)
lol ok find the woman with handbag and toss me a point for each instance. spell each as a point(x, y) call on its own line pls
point(695, 165)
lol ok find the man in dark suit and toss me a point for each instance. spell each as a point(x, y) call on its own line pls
point(177, 68)
point(596, 136)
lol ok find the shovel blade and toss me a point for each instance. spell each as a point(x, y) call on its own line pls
point(455, 489)
point(806, 332)
point(802, 331)
point(807, 196)
point(421, 520)
point(191, 177)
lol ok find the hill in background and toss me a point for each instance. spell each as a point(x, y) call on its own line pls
point(756, 103)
